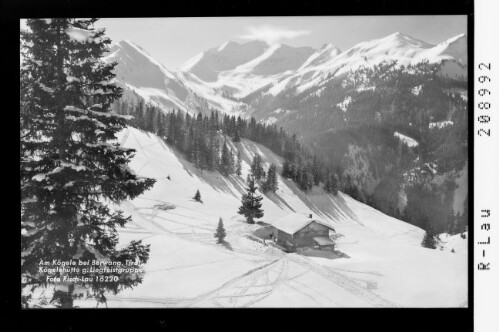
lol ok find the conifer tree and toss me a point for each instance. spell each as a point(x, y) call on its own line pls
point(452, 221)
point(238, 164)
point(429, 241)
point(273, 178)
point(334, 184)
point(331, 184)
point(286, 170)
point(225, 162)
point(257, 170)
point(270, 183)
point(171, 129)
point(161, 125)
point(212, 151)
point(152, 125)
point(180, 131)
point(197, 196)
point(220, 233)
point(306, 179)
point(236, 137)
point(189, 147)
point(232, 162)
point(70, 171)
point(327, 185)
point(251, 202)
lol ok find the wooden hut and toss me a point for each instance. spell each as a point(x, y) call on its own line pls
point(296, 230)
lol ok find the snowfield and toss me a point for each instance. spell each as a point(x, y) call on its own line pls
point(382, 263)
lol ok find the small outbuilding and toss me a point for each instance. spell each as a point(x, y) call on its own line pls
point(297, 230)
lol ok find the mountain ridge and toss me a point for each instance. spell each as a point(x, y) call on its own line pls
point(233, 71)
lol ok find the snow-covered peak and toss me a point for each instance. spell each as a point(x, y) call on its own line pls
point(392, 45)
point(208, 64)
point(277, 59)
point(322, 55)
point(400, 39)
point(138, 71)
point(128, 49)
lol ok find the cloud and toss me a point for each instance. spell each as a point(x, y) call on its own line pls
point(272, 34)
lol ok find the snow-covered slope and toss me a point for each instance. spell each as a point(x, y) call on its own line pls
point(382, 263)
point(146, 76)
point(454, 48)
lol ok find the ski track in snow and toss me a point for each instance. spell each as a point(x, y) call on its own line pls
point(349, 284)
point(252, 286)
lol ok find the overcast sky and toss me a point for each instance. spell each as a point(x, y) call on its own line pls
point(173, 41)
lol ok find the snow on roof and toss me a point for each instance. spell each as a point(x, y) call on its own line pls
point(293, 222)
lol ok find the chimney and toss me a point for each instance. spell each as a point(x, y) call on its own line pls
point(310, 216)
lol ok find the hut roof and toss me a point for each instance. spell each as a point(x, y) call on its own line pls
point(293, 222)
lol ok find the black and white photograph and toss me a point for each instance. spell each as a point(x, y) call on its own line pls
point(244, 162)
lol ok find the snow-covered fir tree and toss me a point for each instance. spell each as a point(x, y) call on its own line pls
point(238, 164)
point(232, 162)
point(270, 183)
point(197, 196)
point(429, 241)
point(257, 170)
point(226, 161)
point(220, 233)
point(72, 174)
point(251, 207)
point(306, 178)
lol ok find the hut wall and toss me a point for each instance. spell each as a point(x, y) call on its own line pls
point(305, 236)
point(283, 238)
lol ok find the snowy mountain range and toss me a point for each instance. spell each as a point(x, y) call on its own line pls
point(226, 77)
